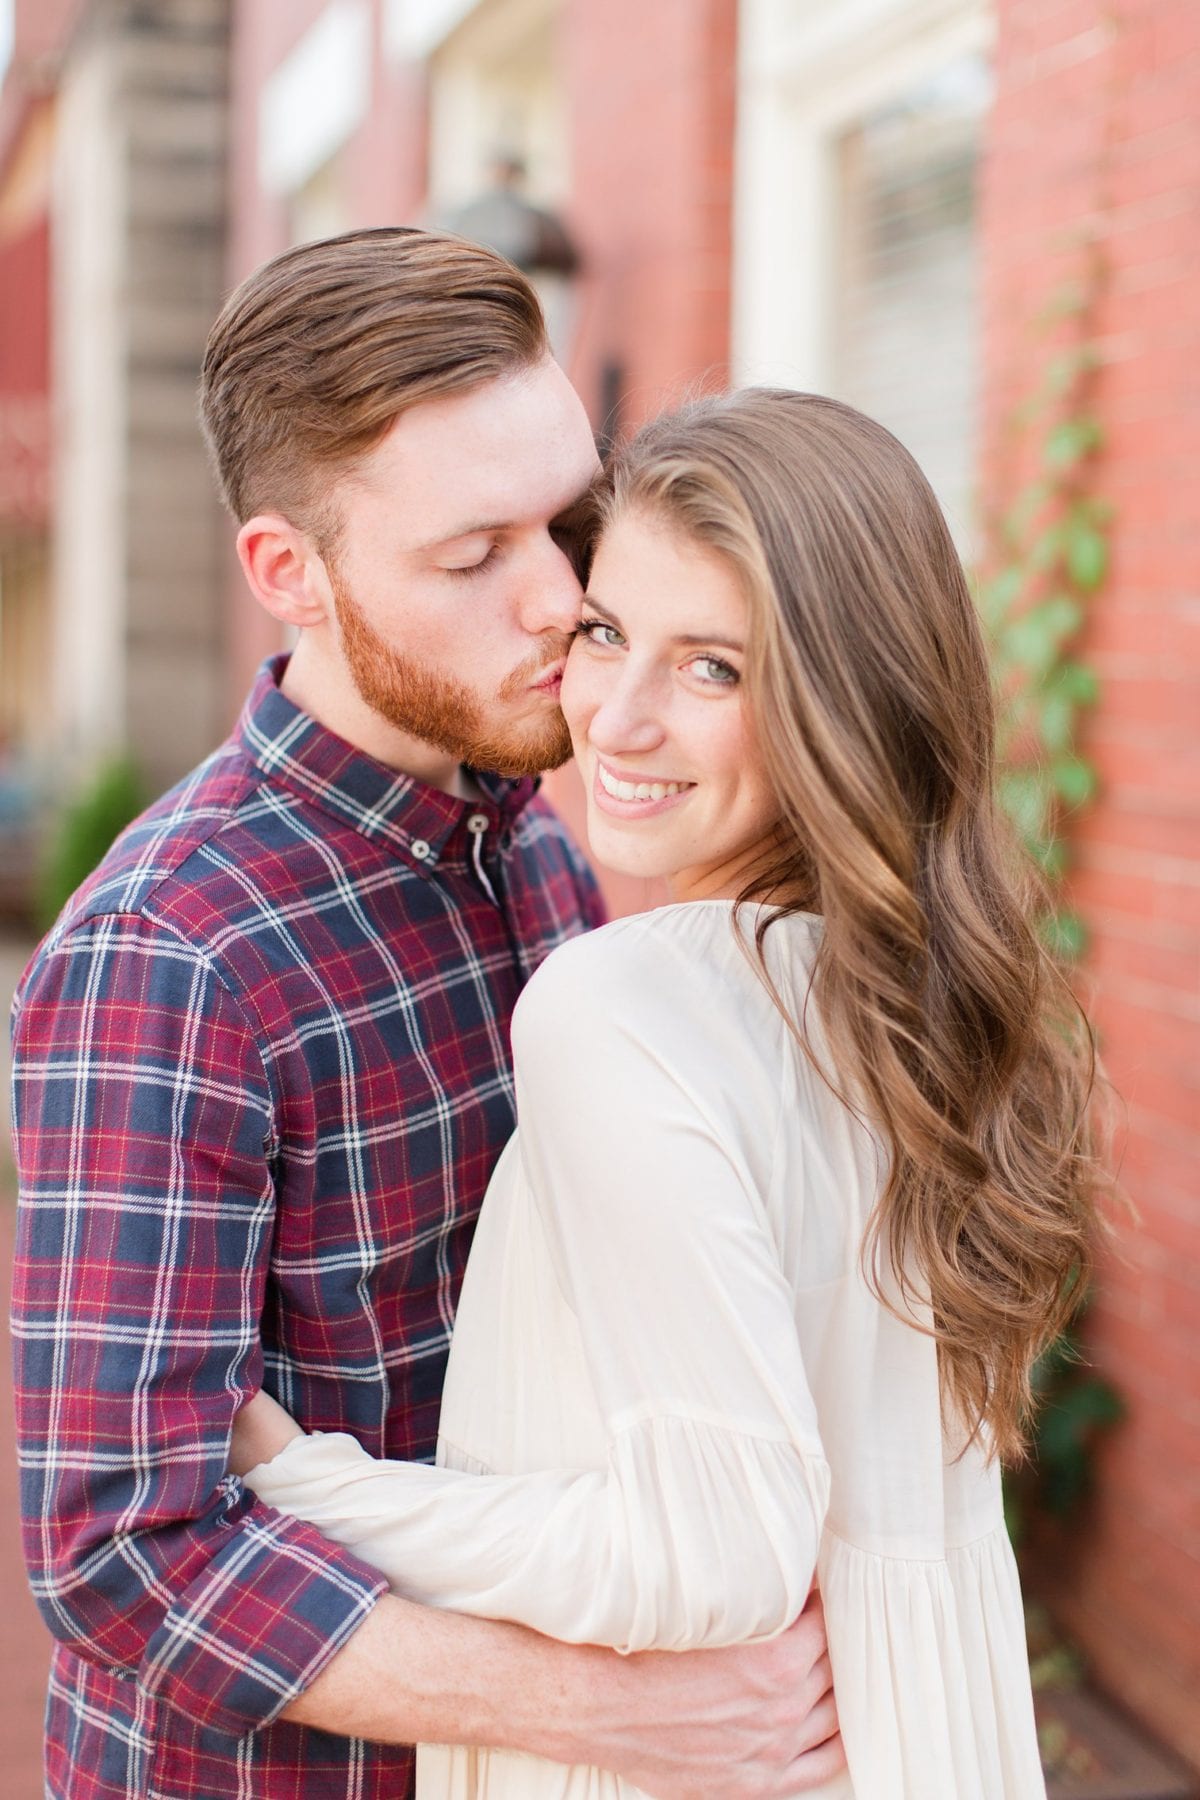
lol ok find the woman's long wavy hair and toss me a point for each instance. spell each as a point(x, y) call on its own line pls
point(870, 691)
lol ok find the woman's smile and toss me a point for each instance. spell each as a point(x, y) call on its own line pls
point(626, 794)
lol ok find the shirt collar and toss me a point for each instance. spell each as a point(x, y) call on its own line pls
point(420, 822)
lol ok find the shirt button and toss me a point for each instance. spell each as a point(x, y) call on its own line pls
point(477, 823)
point(421, 850)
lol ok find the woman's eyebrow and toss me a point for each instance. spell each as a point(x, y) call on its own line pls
point(689, 639)
point(713, 637)
point(608, 614)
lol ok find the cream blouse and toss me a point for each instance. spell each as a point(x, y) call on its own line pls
point(673, 1400)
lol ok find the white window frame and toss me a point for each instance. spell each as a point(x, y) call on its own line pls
point(414, 28)
point(806, 74)
point(317, 97)
point(8, 34)
point(458, 103)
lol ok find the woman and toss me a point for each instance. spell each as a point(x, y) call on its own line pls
point(802, 1169)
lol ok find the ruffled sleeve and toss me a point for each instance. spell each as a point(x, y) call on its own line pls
point(647, 1115)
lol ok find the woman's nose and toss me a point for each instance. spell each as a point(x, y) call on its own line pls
point(627, 719)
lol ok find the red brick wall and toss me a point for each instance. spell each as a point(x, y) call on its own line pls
point(652, 105)
point(652, 90)
point(25, 447)
point(1098, 121)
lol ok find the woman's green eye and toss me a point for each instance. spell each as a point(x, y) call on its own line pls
point(716, 671)
point(591, 629)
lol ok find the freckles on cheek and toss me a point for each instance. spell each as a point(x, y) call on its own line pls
point(574, 696)
point(733, 745)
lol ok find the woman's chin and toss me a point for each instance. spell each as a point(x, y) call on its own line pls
point(638, 868)
point(616, 849)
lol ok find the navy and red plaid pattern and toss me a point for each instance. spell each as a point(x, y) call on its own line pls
point(261, 1077)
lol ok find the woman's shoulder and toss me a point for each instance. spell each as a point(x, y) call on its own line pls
point(692, 962)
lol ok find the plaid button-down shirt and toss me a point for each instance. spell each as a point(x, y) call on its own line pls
point(261, 1077)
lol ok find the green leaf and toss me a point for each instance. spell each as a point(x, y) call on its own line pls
point(1052, 858)
point(1027, 799)
point(1063, 615)
point(1093, 1403)
point(1054, 1362)
point(1078, 682)
point(1056, 722)
point(1064, 935)
point(1066, 368)
point(1086, 554)
point(111, 800)
point(1034, 637)
point(1070, 441)
point(997, 596)
point(1074, 780)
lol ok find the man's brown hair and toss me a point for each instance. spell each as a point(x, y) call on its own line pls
point(316, 354)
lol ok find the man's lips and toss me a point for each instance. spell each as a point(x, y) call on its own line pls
point(551, 680)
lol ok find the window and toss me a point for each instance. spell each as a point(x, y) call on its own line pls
point(859, 135)
point(905, 313)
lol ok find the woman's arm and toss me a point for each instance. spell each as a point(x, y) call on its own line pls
point(703, 1524)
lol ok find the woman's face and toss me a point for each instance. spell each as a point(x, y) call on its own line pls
point(660, 724)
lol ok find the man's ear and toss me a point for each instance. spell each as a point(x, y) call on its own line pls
point(284, 570)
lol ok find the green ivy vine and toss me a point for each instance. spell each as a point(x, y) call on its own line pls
point(1050, 558)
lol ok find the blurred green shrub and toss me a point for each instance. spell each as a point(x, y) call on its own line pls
point(1073, 1407)
point(83, 832)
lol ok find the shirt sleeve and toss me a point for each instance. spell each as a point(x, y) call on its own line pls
point(143, 1137)
point(703, 1525)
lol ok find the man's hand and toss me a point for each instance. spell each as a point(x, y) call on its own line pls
point(755, 1722)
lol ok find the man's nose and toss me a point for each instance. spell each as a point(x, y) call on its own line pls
point(550, 594)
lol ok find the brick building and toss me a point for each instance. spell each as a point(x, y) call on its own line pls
point(26, 133)
point(876, 199)
point(113, 121)
point(1095, 134)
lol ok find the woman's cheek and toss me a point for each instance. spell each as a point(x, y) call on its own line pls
point(575, 694)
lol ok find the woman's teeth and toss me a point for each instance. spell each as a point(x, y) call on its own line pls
point(638, 790)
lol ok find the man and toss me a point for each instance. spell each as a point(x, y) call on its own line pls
point(261, 1078)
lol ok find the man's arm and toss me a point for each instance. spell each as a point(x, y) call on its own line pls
point(143, 1136)
point(754, 1722)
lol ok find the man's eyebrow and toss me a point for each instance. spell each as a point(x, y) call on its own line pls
point(462, 531)
point(569, 513)
point(689, 639)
